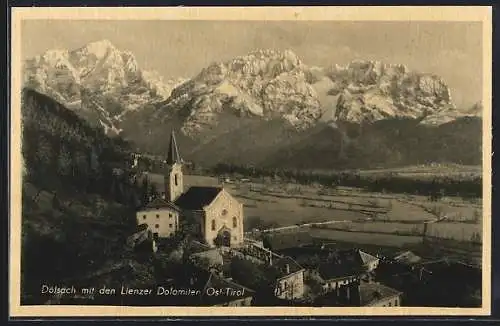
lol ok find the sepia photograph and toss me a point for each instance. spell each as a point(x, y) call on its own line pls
point(262, 161)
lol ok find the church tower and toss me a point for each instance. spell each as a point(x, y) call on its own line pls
point(174, 185)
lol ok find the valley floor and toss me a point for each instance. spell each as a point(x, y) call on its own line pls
point(355, 216)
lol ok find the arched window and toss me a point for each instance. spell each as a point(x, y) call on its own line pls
point(235, 222)
point(175, 181)
point(213, 225)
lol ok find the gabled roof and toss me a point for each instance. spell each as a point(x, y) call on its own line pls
point(281, 265)
point(159, 203)
point(355, 256)
point(331, 271)
point(197, 197)
point(407, 257)
point(366, 258)
point(203, 280)
point(173, 155)
point(371, 293)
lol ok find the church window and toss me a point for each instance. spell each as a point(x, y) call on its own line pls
point(157, 216)
point(169, 214)
point(224, 212)
point(175, 179)
point(213, 225)
point(157, 226)
point(235, 222)
point(143, 217)
point(170, 225)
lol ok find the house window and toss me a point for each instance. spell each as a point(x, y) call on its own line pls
point(224, 212)
point(169, 214)
point(143, 217)
point(213, 225)
point(157, 216)
point(170, 225)
point(234, 238)
point(175, 179)
point(157, 226)
point(390, 304)
point(235, 222)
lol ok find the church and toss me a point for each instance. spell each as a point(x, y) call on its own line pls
point(214, 216)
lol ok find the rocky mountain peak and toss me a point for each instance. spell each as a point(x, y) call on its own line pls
point(99, 49)
point(267, 84)
point(372, 90)
point(98, 80)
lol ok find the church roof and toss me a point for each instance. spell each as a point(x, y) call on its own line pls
point(197, 197)
point(173, 155)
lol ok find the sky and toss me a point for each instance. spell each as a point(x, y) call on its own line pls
point(451, 50)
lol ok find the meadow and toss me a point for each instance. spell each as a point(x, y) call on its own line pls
point(349, 214)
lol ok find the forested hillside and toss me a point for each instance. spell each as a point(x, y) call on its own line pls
point(77, 196)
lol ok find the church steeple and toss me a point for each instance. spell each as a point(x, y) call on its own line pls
point(174, 185)
point(173, 151)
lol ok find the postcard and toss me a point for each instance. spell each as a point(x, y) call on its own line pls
point(260, 161)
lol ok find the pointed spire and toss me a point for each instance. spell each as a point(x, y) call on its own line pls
point(173, 151)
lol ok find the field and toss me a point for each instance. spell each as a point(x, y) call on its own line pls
point(348, 214)
point(387, 240)
point(427, 171)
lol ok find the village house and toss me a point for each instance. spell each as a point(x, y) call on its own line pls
point(378, 295)
point(213, 290)
point(362, 294)
point(290, 282)
point(161, 217)
point(211, 213)
point(333, 276)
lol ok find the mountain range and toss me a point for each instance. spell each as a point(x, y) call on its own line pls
point(266, 108)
